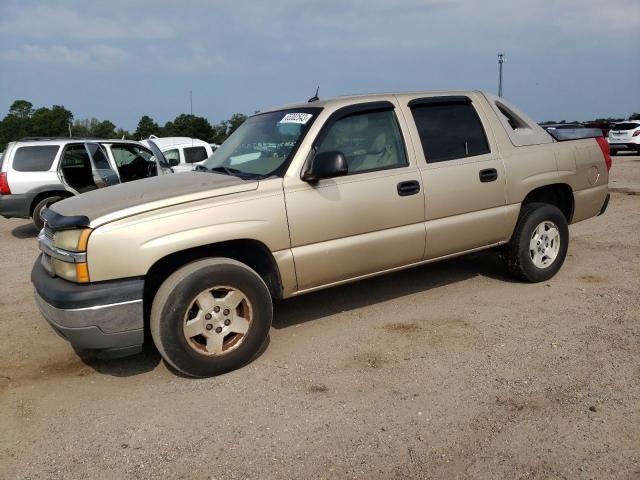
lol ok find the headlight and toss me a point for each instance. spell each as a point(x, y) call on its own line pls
point(69, 259)
point(72, 240)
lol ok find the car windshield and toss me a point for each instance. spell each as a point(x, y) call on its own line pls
point(619, 127)
point(262, 145)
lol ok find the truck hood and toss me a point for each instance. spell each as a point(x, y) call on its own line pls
point(119, 201)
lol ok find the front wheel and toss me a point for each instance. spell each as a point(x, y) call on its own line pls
point(539, 244)
point(211, 316)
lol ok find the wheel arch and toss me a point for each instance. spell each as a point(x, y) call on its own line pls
point(252, 253)
point(557, 194)
point(38, 197)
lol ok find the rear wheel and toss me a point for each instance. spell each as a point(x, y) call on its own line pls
point(539, 244)
point(211, 316)
point(36, 216)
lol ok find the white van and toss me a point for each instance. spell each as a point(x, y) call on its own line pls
point(182, 153)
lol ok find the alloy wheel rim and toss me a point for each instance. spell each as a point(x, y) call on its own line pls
point(217, 321)
point(544, 245)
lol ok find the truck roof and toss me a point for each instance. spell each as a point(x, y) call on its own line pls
point(365, 97)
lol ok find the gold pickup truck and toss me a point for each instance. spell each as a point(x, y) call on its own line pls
point(304, 197)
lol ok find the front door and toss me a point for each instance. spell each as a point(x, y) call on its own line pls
point(368, 221)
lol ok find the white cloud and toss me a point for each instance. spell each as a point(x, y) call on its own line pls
point(48, 22)
point(94, 55)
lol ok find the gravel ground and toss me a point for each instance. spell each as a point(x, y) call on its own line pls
point(450, 370)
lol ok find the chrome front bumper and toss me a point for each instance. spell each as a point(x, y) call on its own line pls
point(116, 328)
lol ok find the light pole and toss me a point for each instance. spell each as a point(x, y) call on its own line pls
point(500, 62)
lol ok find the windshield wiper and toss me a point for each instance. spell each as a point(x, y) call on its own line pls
point(232, 171)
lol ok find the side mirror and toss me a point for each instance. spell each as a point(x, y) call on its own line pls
point(326, 165)
point(174, 162)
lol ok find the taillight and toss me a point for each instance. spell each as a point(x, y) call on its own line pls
point(4, 184)
point(636, 133)
point(604, 146)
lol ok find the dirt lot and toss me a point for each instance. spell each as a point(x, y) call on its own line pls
point(445, 371)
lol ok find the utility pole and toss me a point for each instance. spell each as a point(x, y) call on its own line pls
point(500, 62)
point(191, 102)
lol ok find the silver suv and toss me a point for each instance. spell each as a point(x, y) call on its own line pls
point(37, 172)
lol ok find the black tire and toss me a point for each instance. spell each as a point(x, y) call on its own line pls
point(40, 206)
point(516, 254)
point(174, 299)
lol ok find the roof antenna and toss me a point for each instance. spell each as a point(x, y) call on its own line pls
point(315, 98)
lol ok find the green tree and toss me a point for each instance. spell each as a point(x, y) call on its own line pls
point(634, 116)
point(234, 122)
point(219, 133)
point(94, 128)
point(146, 127)
point(189, 126)
point(21, 109)
point(51, 122)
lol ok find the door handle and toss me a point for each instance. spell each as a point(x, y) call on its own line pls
point(410, 187)
point(488, 175)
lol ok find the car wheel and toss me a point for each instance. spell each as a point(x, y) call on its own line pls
point(539, 244)
point(211, 316)
point(36, 215)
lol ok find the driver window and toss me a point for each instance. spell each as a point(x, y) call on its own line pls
point(173, 157)
point(369, 141)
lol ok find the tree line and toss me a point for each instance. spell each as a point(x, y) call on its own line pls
point(23, 120)
point(601, 122)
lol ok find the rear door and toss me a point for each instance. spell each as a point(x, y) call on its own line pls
point(464, 176)
point(103, 174)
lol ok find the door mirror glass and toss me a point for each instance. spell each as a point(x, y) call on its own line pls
point(326, 165)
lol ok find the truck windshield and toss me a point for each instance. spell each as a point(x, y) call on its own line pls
point(262, 145)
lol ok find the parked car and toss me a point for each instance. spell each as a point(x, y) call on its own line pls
point(624, 136)
point(336, 191)
point(182, 153)
point(37, 172)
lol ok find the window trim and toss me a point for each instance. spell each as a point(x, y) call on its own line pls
point(349, 111)
point(447, 100)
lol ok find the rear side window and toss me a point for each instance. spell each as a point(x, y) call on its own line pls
point(35, 159)
point(75, 156)
point(194, 154)
point(449, 131)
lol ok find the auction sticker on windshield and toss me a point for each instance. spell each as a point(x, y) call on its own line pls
point(296, 118)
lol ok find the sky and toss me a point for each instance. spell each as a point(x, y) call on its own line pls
point(119, 60)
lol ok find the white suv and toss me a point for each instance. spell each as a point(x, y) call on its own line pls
point(37, 172)
point(182, 153)
point(624, 136)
